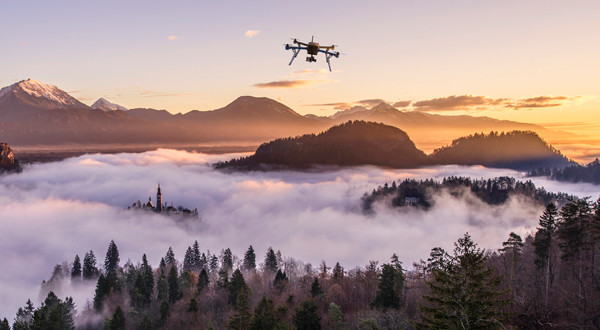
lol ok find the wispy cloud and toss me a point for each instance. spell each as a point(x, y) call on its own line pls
point(172, 38)
point(251, 33)
point(401, 104)
point(453, 102)
point(540, 102)
point(285, 84)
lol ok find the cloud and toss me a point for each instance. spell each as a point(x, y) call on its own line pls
point(172, 38)
point(540, 102)
point(401, 104)
point(369, 103)
point(285, 84)
point(22, 43)
point(52, 211)
point(460, 102)
point(251, 33)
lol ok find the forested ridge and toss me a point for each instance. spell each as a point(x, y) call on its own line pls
point(551, 279)
point(574, 173)
point(356, 143)
point(493, 191)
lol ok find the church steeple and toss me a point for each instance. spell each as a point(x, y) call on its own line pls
point(158, 200)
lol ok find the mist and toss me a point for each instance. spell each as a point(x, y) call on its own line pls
point(53, 211)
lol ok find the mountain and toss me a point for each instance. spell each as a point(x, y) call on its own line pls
point(520, 150)
point(349, 144)
point(105, 105)
point(8, 162)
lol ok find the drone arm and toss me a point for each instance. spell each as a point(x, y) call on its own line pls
point(296, 51)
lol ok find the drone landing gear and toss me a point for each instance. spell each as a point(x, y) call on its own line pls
point(311, 59)
point(296, 51)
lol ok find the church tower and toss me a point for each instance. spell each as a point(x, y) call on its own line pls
point(158, 200)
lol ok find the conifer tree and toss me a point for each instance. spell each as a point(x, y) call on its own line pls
point(102, 290)
point(193, 306)
point(271, 261)
point(236, 285)
point(202, 280)
point(307, 316)
point(4, 325)
point(463, 292)
point(214, 264)
point(223, 279)
point(188, 260)
point(315, 288)
point(139, 293)
point(118, 320)
point(24, 316)
point(227, 260)
point(280, 281)
point(89, 271)
point(265, 317)
point(196, 257)
point(173, 280)
point(54, 314)
point(162, 287)
point(162, 264)
point(543, 241)
point(512, 246)
point(338, 272)
point(148, 275)
point(242, 316)
point(335, 317)
point(76, 269)
point(146, 324)
point(249, 259)
point(170, 258)
point(386, 296)
point(111, 261)
point(165, 312)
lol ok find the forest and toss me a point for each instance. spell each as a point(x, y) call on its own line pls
point(574, 173)
point(549, 279)
point(492, 191)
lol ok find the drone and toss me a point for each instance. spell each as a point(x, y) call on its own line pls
point(312, 48)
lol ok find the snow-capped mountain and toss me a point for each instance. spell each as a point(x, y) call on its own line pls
point(105, 105)
point(37, 94)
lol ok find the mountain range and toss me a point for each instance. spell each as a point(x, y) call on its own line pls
point(33, 113)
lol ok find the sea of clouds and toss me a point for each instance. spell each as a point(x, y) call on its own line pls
point(51, 212)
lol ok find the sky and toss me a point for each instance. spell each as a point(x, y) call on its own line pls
point(53, 211)
point(529, 61)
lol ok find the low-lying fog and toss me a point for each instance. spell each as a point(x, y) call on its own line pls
point(53, 211)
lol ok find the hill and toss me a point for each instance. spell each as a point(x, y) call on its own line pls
point(350, 144)
point(519, 150)
point(589, 173)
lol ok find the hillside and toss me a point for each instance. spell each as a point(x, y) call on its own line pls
point(573, 173)
point(519, 150)
point(349, 144)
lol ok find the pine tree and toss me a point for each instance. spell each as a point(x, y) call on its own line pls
point(338, 272)
point(249, 259)
point(89, 271)
point(280, 281)
point(315, 288)
point(148, 275)
point(202, 280)
point(162, 264)
point(162, 287)
point(335, 317)
point(146, 324)
point(227, 259)
point(236, 285)
point(173, 280)
point(197, 259)
point(4, 325)
point(165, 312)
point(76, 269)
point(139, 293)
point(463, 292)
point(118, 320)
point(193, 306)
point(54, 314)
point(242, 317)
point(102, 290)
point(265, 316)
point(111, 261)
point(24, 316)
point(307, 316)
point(512, 246)
point(214, 264)
point(543, 241)
point(271, 261)
point(188, 260)
point(170, 258)
point(386, 296)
